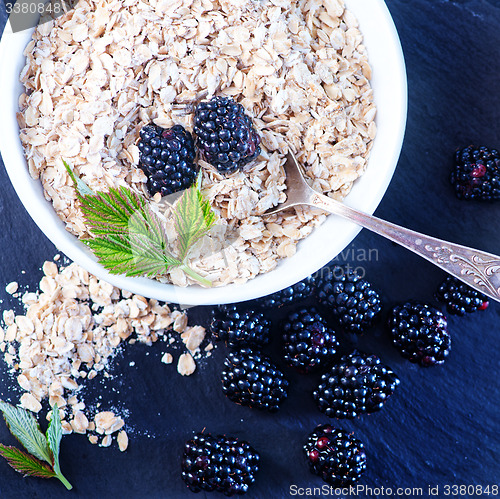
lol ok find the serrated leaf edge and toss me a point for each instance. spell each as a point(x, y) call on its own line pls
point(26, 429)
point(130, 215)
point(15, 456)
point(193, 218)
point(53, 437)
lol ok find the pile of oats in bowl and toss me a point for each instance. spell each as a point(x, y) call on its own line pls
point(98, 74)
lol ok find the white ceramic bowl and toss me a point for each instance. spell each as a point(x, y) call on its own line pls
point(327, 241)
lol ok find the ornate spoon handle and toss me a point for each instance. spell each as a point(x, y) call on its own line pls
point(478, 269)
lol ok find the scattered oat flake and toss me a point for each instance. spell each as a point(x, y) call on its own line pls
point(29, 402)
point(186, 365)
point(122, 440)
point(106, 441)
point(12, 287)
point(167, 358)
point(104, 420)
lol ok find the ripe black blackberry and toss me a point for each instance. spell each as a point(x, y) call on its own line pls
point(358, 384)
point(419, 332)
point(293, 294)
point(308, 342)
point(350, 297)
point(250, 378)
point(476, 174)
point(240, 327)
point(335, 455)
point(222, 464)
point(459, 298)
point(166, 156)
point(225, 135)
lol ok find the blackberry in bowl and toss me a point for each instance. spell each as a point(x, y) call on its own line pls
point(166, 156)
point(225, 135)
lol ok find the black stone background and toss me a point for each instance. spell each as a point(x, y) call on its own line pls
point(440, 427)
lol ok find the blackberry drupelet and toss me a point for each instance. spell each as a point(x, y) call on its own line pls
point(309, 343)
point(238, 328)
point(250, 378)
point(476, 174)
point(293, 294)
point(335, 455)
point(419, 333)
point(349, 297)
point(358, 384)
point(222, 464)
point(166, 156)
point(459, 298)
point(225, 135)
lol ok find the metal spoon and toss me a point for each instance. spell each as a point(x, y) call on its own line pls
point(476, 268)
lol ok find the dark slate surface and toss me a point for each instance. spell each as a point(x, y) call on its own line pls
point(441, 426)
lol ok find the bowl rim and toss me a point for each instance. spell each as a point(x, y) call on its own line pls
point(389, 85)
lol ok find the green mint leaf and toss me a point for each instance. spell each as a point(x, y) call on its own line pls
point(54, 435)
point(24, 463)
point(81, 187)
point(26, 429)
point(193, 219)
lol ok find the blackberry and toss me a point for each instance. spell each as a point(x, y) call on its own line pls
point(166, 156)
point(249, 378)
point(419, 333)
point(349, 297)
point(222, 464)
point(308, 342)
point(293, 294)
point(335, 455)
point(237, 327)
point(459, 298)
point(225, 135)
point(476, 174)
point(358, 384)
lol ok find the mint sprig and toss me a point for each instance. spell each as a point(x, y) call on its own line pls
point(40, 447)
point(129, 238)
